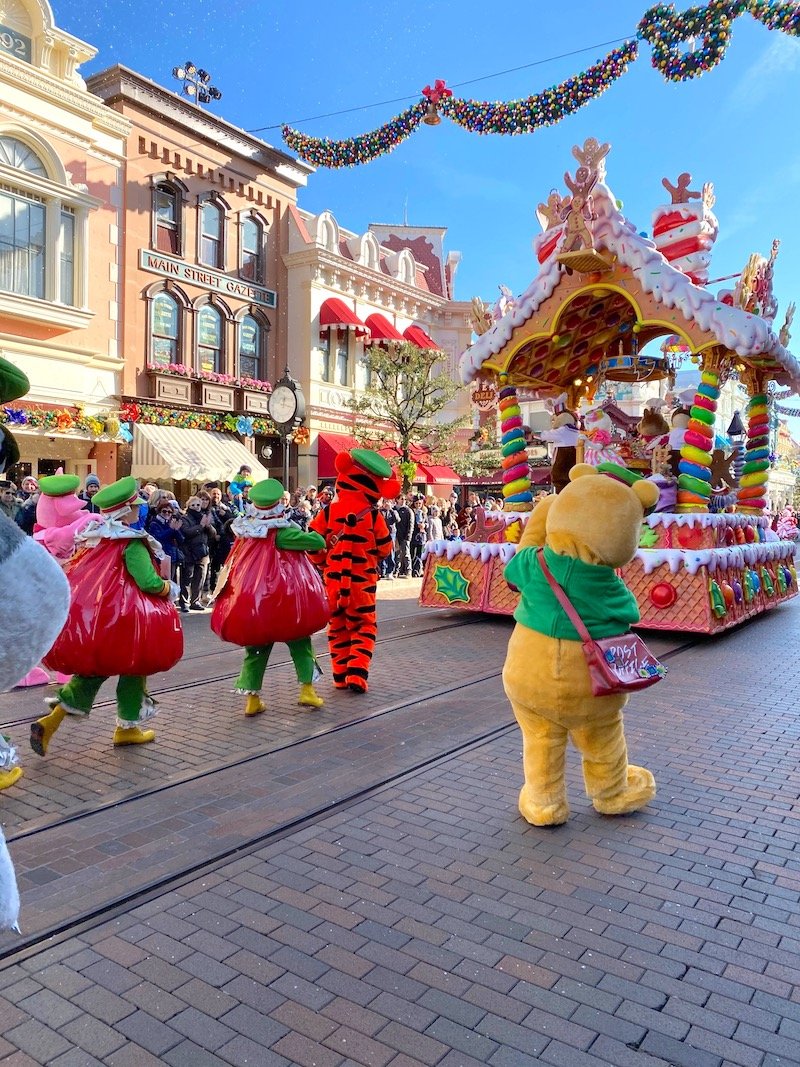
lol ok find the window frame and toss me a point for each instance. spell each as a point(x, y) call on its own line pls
point(264, 327)
point(221, 205)
point(262, 230)
point(222, 352)
point(175, 186)
point(55, 193)
point(180, 298)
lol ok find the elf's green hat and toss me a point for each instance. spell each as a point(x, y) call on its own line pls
point(266, 493)
point(59, 484)
point(372, 462)
point(13, 383)
point(125, 491)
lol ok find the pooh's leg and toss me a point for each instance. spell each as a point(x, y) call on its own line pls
point(543, 798)
point(614, 786)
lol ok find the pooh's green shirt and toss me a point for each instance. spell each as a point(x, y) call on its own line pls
point(601, 599)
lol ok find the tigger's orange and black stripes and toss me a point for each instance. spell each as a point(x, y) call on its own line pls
point(356, 538)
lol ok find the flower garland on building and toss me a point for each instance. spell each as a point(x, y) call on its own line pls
point(196, 420)
point(180, 370)
point(664, 29)
point(63, 422)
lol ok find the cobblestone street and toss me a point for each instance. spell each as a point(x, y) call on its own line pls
point(355, 885)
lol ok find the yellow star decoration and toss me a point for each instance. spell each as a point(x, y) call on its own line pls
point(451, 583)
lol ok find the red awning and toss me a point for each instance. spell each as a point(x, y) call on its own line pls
point(334, 312)
point(417, 336)
point(382, 329)
point(439, 474)
point(329, 445)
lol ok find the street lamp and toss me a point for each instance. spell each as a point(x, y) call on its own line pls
point(196, 83)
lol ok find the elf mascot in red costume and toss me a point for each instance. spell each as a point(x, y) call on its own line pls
point(356, 538)
point(121, 621)
point(271, 592)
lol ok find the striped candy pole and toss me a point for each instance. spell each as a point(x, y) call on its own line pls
point(517, 494)
point(694, 468)
point(752, 492)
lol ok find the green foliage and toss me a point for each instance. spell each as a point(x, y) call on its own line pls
point(407, 390)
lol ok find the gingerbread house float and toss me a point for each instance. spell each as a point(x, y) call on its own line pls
point(602, 294)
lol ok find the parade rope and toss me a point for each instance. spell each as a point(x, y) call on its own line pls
point(705, 29)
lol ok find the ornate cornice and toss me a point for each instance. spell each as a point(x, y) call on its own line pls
point(75, 100)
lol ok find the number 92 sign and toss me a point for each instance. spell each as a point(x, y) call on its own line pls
point(15, 44)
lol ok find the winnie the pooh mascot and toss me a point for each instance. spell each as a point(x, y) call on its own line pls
point(587, 530)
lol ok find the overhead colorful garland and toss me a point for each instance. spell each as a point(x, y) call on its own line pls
point(664, 29)
point(50, 421)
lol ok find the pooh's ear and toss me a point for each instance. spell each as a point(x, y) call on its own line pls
point(647, 492)
point(580, 470)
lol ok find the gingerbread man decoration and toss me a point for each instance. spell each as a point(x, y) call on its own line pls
point(681, 193)
point(578, 213)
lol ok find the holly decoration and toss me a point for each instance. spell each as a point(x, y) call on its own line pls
point(451, 583)
point(648, 538)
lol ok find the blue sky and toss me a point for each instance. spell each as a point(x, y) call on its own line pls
point(288, 61)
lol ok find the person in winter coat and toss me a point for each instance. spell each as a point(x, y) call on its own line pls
point(195, 554)
point(166, 527)
point(403, 531)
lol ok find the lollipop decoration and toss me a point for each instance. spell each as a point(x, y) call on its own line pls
point(694, 467)
point(752, 493)
point(516, 473)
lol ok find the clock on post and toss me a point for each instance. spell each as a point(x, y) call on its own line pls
point(287, 409)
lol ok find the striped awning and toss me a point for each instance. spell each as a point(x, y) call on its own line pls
point(190, 455)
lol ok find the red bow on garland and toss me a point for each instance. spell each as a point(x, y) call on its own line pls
point(439, 90)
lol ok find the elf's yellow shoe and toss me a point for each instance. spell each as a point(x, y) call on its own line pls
point(254, 705)
point(43, 729)
point(8, 777)
point(133, 735)
point(309, 698)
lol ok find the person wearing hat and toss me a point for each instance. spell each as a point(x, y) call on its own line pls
point(270, 591)
point(35, 597)
point(356, 538)
point(121, 621)
point(91, 487)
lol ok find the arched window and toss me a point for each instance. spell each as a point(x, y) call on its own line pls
point(252, 265)
point(23, 217)
point(166, 206)
point(253, 347)
point(210, 339)
point(212, 222)
point(164, 330)
point(43, 233)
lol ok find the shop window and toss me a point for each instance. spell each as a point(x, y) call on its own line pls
point(212, 223)
point(252, 266)
point(164, 330)
point(253, 347)
point(210, 351)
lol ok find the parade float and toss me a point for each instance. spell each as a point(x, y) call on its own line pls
point(603, 297)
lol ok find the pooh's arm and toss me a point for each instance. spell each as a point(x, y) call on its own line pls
point(533, 534)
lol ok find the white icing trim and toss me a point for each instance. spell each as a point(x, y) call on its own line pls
point(474, 549)
point(745, 334)
point(692, 518)
point(734, 557)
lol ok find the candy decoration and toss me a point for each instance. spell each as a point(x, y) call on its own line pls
point(516, 473)
point(738, 593)
point(780, 574)
point(752, 494)
point(694, 468)
point(728, 594)
point(766, 579)
point(756, 581)
point(717, 599)
point(663, 595)
point(747, 581)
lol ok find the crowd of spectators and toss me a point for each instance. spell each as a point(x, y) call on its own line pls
point(197, 536)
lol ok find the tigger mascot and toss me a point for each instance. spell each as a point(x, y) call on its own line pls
point(356, 538)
